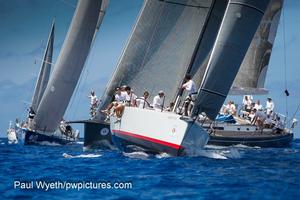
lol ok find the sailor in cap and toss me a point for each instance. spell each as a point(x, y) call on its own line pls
point(158, 101)
point(269, 105)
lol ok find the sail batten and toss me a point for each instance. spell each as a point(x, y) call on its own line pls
point(45, 71)
point(68, 66)
point(160, 47)
point(237, 29)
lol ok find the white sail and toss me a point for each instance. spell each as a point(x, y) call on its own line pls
point(68, 66)
point(240, 22)
point(160, 47)
point(252, 74)
point(45, 70)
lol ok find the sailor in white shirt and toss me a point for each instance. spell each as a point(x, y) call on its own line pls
point(120, 96)
point(269, 106)
point(258, 106)
point(94, 104)
point(93, 98)
point(247, 103)
point(130, 97)
point(142, 101)
point(158, 101)
point(190, 86)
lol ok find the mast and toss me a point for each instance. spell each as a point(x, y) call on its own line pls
point(45, 71)
point(240, 22)
point(69, 65)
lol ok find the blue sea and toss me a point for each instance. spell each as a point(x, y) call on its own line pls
point(68, 172)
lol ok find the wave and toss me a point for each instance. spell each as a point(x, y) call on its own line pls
point(211, 154)
point(46, 143)
point(137, 154)
point(81, 155)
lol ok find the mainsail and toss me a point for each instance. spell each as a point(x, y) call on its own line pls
point(251, 76)
point(240, 22)
point(45, 70)
point(69, 65)
point(160, 47)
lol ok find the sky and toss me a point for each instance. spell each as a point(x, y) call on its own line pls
point(25, 25)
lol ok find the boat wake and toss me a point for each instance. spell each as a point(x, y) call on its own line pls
point(137, 155)
point(81, 155)
point(162, 155)
point(46, 143)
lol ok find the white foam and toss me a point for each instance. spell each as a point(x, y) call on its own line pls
point(163, 155)
point(81, 155)
point(245, 146)
point(46, 143)
point(136, 154)
point(211, 154)
point(79, 142)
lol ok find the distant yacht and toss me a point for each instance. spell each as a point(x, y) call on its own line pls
point(11, 134)
point(45, 122)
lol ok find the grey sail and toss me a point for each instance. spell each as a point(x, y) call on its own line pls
point(251, 76)
point(240, 22)
point(160, 47)
point(68, 66)
point(206, 41)
point(45, 70)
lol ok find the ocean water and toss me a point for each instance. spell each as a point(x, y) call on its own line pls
point(68, 172)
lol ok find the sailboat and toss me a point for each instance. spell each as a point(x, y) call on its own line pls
point(151, 53)
point(11, 134)
point(250, 81)
point(52, 103)
point(170, 133)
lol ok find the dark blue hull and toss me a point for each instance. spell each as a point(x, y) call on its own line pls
point(35, 138)
point(97, 135)
point(277, 141)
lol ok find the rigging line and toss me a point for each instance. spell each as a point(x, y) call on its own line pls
point(68, 3)
point(182, 4)
point(284, 58)
point(295, 113)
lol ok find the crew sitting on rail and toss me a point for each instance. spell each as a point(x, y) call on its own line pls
point(130, 97)
point(118, 98)
point(229, 109)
